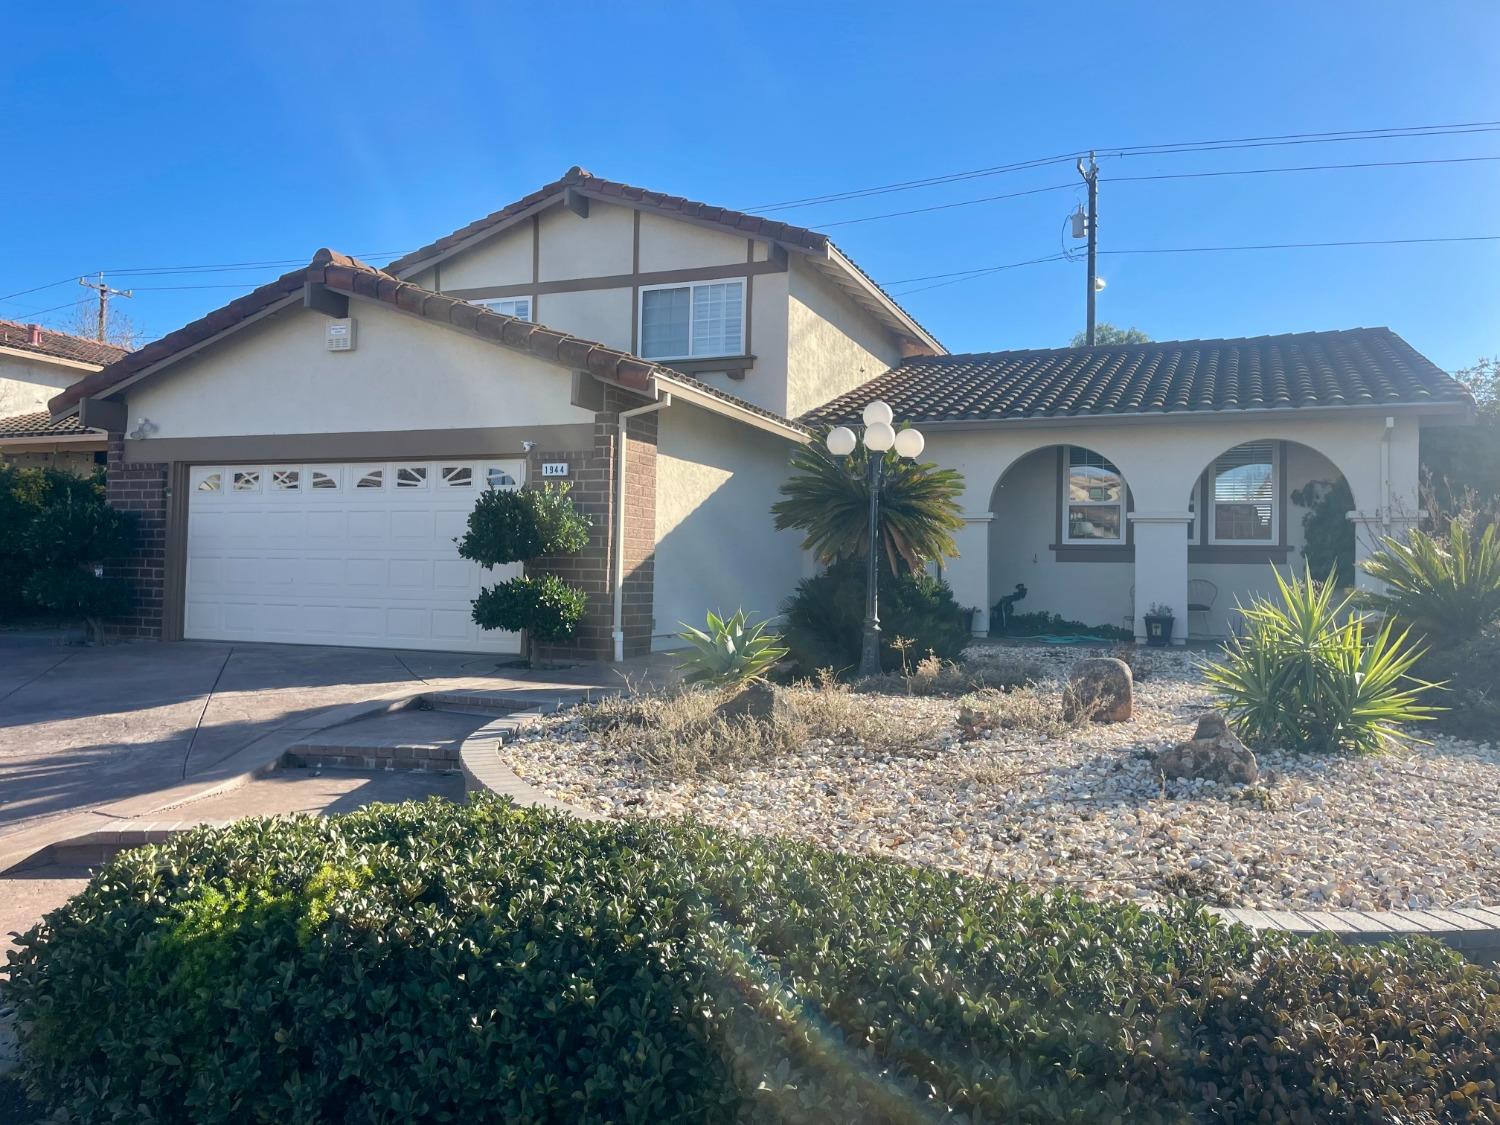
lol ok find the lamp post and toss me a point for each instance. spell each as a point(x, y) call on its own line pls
point(879, 436)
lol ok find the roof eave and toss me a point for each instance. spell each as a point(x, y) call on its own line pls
point(881, 303)
point(695, 396)
point(1460, 412)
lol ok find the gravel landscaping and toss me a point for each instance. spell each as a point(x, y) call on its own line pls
point(1080, 806)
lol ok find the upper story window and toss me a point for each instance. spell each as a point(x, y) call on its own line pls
point(1094, 499)
point(518, 307)
point(706, 318)
point(1245, 504)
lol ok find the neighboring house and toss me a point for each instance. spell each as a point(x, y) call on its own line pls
point(36, 363)
point(304, 456)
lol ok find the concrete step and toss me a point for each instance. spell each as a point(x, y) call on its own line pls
point(409, 739)
point(495, 703)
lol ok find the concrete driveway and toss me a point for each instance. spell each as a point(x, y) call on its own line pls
point(82, 727)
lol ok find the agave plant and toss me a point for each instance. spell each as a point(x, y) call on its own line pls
point(730, 652)
point(1309, 674)
point(828, 498)
point(1446, 587)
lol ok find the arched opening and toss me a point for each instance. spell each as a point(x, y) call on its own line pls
point(1061, 546)
point(1267, 502)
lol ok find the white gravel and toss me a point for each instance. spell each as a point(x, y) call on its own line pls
point(1409, 828)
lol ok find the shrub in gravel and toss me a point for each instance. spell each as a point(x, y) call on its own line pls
point(1470, 674)
point(1308, 674)
point(824, 620)
point(434, 962)
point(933, 676)
point(686, 732)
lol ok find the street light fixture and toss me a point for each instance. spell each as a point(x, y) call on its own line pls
point(879, 437)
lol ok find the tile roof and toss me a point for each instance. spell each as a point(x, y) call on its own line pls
point(1358, 366)
point(39, 423)
point(588, 184)
point(347, 275)
point(592, 185)
point(61, 345)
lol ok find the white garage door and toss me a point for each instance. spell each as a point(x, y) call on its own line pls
point(353, 554)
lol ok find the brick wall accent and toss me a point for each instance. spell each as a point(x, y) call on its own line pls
point(140, 488)
point(592, 472)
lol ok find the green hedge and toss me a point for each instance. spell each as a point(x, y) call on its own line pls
point(479, 963)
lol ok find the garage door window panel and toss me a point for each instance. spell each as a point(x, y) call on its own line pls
point(411, 476)
point(372, 478)
point(247, 480)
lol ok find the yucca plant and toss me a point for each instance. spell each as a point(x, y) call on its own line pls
point(1309, 674)
point(730, 652)
point(828, 498)
point(1443, 587)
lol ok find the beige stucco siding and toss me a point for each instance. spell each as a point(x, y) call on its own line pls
point(672, 244)
point(26, 386)
point(504, 259)
point(601, 315)
point(832, 344)
point(716, 548)
point(601, 245)
point(276, 377)
point(765, 383)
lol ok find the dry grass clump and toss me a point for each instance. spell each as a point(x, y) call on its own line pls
point(1031, 710)
point(933, 676)
point(684, 732)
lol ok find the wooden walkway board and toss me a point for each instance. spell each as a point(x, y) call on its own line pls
point(1473, 930)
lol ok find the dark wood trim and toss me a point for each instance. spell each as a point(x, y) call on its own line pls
point(319, 298)
point(749, 305)
point(110, 415)
point(533, 290)
point(1083, 552)
point(363, 445)
point(1283, 496)
point(576, 202)
point(620, 281)
point(174, 567)
point(709, 363)
point(776, 252)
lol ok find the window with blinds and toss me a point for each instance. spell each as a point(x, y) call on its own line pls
point(518, 307)
point(1245, 501)
point(1094, 499)
point(693, 321)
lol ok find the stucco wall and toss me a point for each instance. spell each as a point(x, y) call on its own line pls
point(598, 246)
point(276, 377)
point(716, 548)
point(1160, 458)
point(601, 315)
point(1025, 506)
point(832, 344)
point(672, 244)
point(26, 386)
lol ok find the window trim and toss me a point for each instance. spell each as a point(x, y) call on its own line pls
point(1065, 535)
point(490, 303)
point(1210, 477)
point(640, 312)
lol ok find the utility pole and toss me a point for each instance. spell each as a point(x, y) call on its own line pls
point(1091, 177)
point(105, 293)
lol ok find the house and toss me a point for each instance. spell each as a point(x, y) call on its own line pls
point(304, 456)
point(36, 363)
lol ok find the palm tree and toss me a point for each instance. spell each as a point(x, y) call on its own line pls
point(829, 499)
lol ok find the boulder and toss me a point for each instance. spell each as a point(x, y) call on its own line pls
point(1214, 753)
point(756, 700)
point(1099, 689)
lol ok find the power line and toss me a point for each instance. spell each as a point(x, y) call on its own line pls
point(39, 288)
point(1162, 149)
point(955, 276)
point(1214, 173)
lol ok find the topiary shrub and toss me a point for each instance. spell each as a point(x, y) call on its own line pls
point(823, 621)
point(521, 525)
point(423, 963)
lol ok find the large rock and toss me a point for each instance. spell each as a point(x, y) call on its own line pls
point(1213, 754)
point(1099, 689)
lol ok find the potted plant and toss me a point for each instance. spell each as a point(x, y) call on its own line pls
point(1159, 622)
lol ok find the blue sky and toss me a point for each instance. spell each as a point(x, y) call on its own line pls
point(175, 134)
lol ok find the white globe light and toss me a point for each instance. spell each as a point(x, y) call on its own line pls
point(879, 436)
point(841, 441)
point(910, 443)
point(878, 414)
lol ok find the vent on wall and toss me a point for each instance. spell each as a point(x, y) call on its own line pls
point(340, 335)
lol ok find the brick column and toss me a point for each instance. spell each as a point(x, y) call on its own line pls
point(592, 472)
point(140, 488)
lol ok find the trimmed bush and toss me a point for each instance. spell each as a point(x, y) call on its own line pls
point(1044, 624)
point(824, 620)
point(430, 962)
point(545, 606)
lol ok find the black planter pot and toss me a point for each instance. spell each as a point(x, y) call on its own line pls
point(1158, 630)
